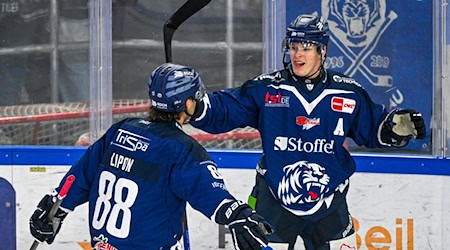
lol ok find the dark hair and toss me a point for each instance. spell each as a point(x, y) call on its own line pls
point(156, 115)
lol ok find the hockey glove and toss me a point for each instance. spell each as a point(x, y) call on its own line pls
point(40, 227)
point(248, 229)
point(401, 125)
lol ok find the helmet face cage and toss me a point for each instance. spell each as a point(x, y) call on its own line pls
point(170, 85)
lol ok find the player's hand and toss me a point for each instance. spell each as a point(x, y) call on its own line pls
point(401, 125)
point(248, 229)
point(40, 227)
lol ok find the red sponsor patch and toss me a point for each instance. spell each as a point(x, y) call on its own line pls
point(306, 122)
point(104, 246)
point(344, 105)
point(276, 100)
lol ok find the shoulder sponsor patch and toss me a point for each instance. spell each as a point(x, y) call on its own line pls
point(344, 105)
point(272, 77)
point(342, 79)
point(264, 76)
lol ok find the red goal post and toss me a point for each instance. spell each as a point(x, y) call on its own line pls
point(64, 123)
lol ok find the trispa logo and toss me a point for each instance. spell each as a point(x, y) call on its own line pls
point(130, 141)
point(344, 105)
point(283, 143)
point(306, 122)
point(276, 100)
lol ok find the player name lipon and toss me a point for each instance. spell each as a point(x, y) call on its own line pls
point(121, 162)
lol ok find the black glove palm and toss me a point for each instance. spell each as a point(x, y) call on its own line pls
point(248, 229)
point(40, 227)
point(401, 125)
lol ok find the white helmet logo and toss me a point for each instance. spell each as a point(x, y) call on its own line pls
point(178, 73)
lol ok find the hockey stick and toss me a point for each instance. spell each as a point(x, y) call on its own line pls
point(59, 198)
point(189, 8)
point(182, 14)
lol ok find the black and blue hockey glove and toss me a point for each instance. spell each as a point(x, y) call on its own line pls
point(40, 227)
point(402, 125)
point(248, 229)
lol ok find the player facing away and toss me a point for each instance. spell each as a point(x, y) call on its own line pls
point(138, 177)
point(304, 113)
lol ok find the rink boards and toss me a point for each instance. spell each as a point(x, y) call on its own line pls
point(398, 202)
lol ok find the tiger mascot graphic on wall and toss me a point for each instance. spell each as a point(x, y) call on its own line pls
point(356, 27)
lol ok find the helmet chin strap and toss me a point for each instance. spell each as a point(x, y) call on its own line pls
point(187, 113)
point(197, 112)
point(187, 120)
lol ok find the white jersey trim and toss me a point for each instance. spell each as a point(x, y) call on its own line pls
point(207, 104)
point(380, 127)
point(213, 216)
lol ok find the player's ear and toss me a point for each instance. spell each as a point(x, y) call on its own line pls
point(189, 104)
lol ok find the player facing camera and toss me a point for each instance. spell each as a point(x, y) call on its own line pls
point(304, 113)
point(306, 41)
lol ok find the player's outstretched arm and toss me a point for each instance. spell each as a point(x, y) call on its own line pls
point(248, 229)
point(402, 125)
point(41, 228)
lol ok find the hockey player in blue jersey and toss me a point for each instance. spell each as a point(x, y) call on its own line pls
point(138, 177)
point(304, 113)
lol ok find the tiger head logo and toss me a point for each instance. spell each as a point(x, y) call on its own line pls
point(354, 22)
point(303, 182)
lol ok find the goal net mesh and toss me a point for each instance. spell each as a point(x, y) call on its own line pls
point(64, 123)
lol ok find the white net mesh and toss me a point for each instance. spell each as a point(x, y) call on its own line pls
point(64, 123)
point(241, 138)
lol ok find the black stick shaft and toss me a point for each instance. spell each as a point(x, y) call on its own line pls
point(182, 14)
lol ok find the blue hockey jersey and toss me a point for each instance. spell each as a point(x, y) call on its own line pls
point(137, 179)
point(302, 131)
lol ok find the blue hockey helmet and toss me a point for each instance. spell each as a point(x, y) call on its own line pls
point(170, 85)
point(308, 29)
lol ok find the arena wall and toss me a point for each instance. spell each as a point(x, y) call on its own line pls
point(398, 202)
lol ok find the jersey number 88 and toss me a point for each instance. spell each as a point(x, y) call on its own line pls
point(107, 183)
